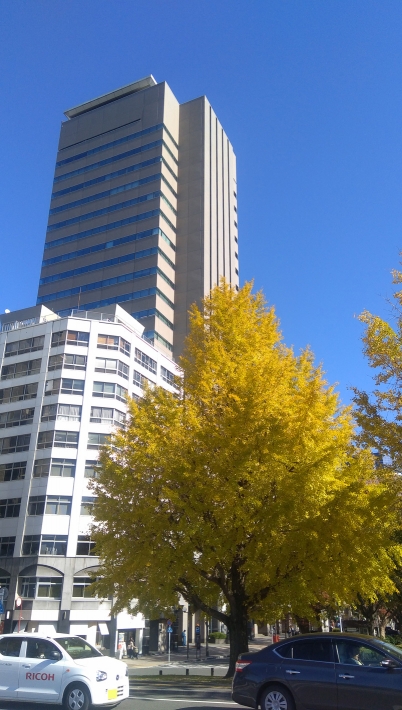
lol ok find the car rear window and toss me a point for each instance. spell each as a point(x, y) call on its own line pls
point(314, 650)
point(77, 648)
point(10, 646)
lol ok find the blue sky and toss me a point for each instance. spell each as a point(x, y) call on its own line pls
point(309, 93)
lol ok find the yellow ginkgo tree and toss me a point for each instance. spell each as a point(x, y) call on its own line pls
point(242, 492)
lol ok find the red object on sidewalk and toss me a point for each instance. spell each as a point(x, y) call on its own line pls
point(275, 638)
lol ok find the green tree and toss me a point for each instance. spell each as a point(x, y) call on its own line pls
point(242, 486)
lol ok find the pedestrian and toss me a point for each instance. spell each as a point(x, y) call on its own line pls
point(130, 649)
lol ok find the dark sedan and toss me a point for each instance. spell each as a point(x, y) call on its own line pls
point(327, 671)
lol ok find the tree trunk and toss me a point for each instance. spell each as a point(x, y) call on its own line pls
point(238, 635)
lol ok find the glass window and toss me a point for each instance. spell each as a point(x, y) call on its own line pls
point(82, 588)
point(10, 646)
point(66, 439)
point(68, 361)
point(141, 381)
point(7, 545)
point(31, 544)
point(61, 412)
point(104, 389)
point(18, 393)
point(65, 386)
point(63, 467)
point(85, 546)
point(12, 444)
point(39, 648)
point(110, 342)
point(20, 369)
point(10, 507)
point(53, 545)
point(97, 440)
point(90, 469)
point(49, 587)
point(58, 505)
point(101, 415)
point(54, 467)
point(124, 347)
point(285, 651)
point(111, 366)
point(87, 503)
point(36, 505)
point(167, 376)
point(317, 650)
point(77, 648)
point(12, 471)
point(27, 587)
point(18, 417)
point(145, 361)
point(24, 346)
point(70, 337)
point(353, 653)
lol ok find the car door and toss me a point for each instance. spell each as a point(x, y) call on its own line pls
point(363, 684)
point(10, 661)
point(309, 673)
point(41, 671)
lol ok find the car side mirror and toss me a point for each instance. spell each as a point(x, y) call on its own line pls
point(389, 663)
point(55, 656)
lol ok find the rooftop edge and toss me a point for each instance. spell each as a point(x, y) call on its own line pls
point(144, 83)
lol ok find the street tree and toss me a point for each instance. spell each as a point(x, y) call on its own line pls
point(241, 491)
point(379, 414)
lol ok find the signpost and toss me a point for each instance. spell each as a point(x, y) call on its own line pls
point(169, 631)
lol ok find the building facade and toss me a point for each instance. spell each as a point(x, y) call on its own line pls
point(63, 388)
point(143, 210)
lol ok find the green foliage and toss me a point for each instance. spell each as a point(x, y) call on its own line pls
point(216, 635)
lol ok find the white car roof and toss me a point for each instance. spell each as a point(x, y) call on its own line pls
point(34, 634)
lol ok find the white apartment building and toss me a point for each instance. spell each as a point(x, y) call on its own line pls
point(63, 388)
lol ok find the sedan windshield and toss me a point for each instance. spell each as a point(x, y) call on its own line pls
point(77, 648)
point(390, 648)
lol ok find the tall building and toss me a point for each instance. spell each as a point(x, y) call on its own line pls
point(143, 210)
point(63, 388)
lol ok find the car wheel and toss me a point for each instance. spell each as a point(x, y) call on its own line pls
point(77, 697)
point(276, 698)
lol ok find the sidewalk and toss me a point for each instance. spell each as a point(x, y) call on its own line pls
point(218, 654)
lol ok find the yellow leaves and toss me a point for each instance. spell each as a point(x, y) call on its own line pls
point(252, 469)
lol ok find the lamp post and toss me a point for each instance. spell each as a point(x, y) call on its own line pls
point(18, 604)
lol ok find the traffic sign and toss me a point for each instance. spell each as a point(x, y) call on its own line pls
point(1, 608)
point(169, 629)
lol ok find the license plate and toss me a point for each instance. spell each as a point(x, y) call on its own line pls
point(112, 694)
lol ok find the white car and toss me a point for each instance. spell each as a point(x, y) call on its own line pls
point(60, 669)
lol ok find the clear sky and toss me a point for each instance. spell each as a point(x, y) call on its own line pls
point(310, 95)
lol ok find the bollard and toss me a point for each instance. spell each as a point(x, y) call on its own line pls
point(160, 672)
point(187, 671)
point(212, 671)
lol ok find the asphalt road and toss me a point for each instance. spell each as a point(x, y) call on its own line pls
point(151, 696)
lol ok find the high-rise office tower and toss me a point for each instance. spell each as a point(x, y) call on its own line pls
point(143, 210)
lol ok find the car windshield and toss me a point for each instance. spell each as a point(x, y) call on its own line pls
point(390, 648)
point(77, 648)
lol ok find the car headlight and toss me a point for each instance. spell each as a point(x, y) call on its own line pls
point(101, 675)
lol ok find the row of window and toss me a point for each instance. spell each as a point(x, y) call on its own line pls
point(49, 439)
point(110, 226)
point(44, 505)
point(65, 468)
point(68, 412)
point(95, 285)
point(113, 144)
point(113, 191)
point(27, 345)
point(45, 545)
point(114, 159)
point(149, 312)
point(50, 587)
point(143, 293)
point(100, 265)
point(116, 173)
point(111, 208)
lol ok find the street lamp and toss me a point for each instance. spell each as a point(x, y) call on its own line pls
point(18, 604)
